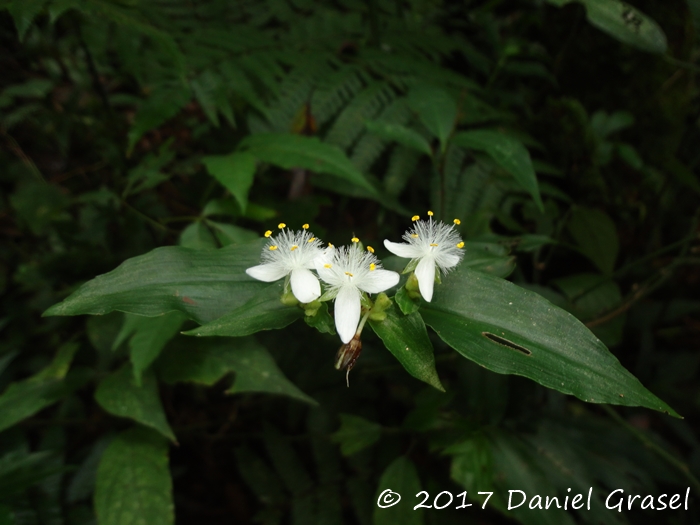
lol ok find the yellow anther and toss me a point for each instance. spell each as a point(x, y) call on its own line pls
point(273, 248)
point(305, 226)
point(327, 265)
point(372, 267)
point(414, 235)
point(281, 225)
point(460, 244)
point(330, 245)
point(348, 273)
point(268, 233)
point(457, 221)
point(415, 218)
point(430, 213)
point(433, 244)
point(370, 249)
point(294, 247)
point(312, 239)
point(355, 239)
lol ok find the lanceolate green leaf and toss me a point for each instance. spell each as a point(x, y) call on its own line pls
point(133, 481)
point(265, 311)
point(118, 394)
point(510, 330)
point(202, 284)
point(405, 336)
point(235, 172)
point(296, 151)
point(508, 152)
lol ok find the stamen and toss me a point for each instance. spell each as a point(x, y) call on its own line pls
point(273, 248)
point(460, 244)
point(312, 239)
point(415, 218)
point(294, 247)
point(281, 225)
point(355, 239)
point(268, 233)
point(430, 213)
point(370, 249)
point(414, 235)
point(327, 265)
point(433, 244)
point(330, 245)
point(348, 273)
point(372, 267)
point(457, 222)
point(305, 226)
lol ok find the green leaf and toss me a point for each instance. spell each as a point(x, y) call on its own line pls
point(321, 320)
point(118, 394)
point(23, 12)
point(228, 234)
point(265, 311)
point(401, 478)
point(405, 302)
point(207, 362)
point(406, 338)
point(198, 237)
point(508, 152)
point(509, 330)
point(148, 336)
point(53, 383)
point(133, 481)
point(203, 285)
point(596, 236)
point(235, 172)
point(296, 151)
point(355, 434)
point(436, 109)
point(401, 134)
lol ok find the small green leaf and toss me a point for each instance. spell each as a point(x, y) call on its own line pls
point(355, 434)
point(321, 320)
point(401, 479)
point(202, 284)
point(235, 172)
point(401, 134)
point(405, 302)
point(118, 394)
point(133, 481)
point(228, 234)
point(509, 330)
point(265, 311)
point(508, 152)
point(198, 237)
point(436, 109)
point(596, 236)
point(296, 151)
point(406, 338)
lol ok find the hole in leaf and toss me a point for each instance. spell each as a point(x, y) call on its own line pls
point(505, 342)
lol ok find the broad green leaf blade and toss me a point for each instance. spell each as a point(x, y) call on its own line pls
point(436, 109)
point(355, 434)
point(119, 395)
point(25, 398)
point(508, 152)
point(509, 330)
point(235, 172)
point(401, 134)
point(296, 151)
point(406, 338)
point(596, 236)
point(133, 481)
point(399, 478)
point(207, 362)
point(203, 285)
point(265, 311)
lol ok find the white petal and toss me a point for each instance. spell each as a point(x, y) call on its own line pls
point(448, 260)
point(402, 249)
point(425, 272)
point(305, 286)
point(267, 272)
point(347, 312)
point(379, 280)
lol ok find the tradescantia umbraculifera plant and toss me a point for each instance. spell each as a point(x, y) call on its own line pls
point(485, 318)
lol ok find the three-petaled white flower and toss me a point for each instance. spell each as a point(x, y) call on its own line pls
point(291, 253)
point(430, 244)
point(349, 271)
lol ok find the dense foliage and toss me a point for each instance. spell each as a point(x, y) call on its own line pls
point(148, 145)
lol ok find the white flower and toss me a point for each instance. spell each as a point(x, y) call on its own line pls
point(291, 253)
point(349, 271)
point(429, 243)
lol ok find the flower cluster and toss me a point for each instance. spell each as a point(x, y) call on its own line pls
point(349, 272)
